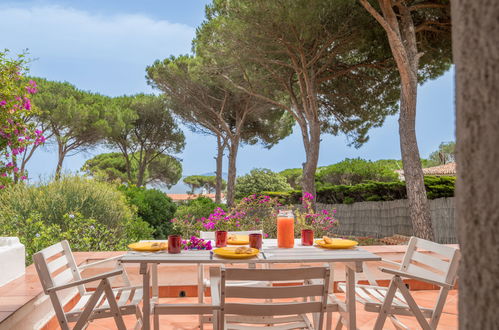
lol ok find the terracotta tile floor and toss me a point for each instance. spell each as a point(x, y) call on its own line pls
point(365, 320)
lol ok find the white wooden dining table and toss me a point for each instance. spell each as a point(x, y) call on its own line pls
point(269, 254)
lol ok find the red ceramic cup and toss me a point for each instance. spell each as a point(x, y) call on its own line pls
point(220, 238)
point(307, 237)
point(174, 243)
point(255, 241)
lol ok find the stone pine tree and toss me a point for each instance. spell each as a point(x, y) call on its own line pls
point(213, 105)
point(145, 131)
point(476, 54)
point(307, 57)
point(419, 36)
point(76, 119)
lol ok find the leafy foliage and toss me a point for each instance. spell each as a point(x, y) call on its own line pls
point(69, 195)
point(198, 208)
point(17, 133)
point(153, 206)
point(259, 180)
point(83, 234)
point(355, 171)
point(77, 119)
point(293, 177)
point(147, 132)
point(207, 182)
point(436, 187)
point(446, 153)
point(111, 167)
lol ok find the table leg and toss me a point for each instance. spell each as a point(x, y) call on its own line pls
point(154, 275)
point(146, 308)
point(350, 298)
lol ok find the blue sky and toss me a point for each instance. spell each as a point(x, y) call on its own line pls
point(104, 46)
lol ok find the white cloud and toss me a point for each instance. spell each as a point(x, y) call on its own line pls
point(73, 34)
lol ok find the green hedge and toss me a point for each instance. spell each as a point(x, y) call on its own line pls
point(436, 187)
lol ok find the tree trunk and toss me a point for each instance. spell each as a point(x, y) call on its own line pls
point(401, 35)
point(60, 159)
point(312, 146)
point(219, 161)
point(476, 52)
point(231, 180)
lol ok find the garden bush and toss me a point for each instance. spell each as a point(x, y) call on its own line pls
point(355, 171)
point(259, 180)
point(153, 206)
point(69, 195)
point(83, 234)
point(436, 187)
point(198, 208)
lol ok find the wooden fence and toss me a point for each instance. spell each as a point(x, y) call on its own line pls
point(382, 219)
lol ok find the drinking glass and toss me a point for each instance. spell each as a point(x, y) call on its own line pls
point(307, 237)
point(174, 244)
point(220, 238)
point(255, 241)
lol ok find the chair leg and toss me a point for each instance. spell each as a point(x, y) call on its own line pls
point(89, 307)
point(111, 299)
point(386, 306)
point(329, 320)
point(412, 304)
point(339, 324)
point(156, 321)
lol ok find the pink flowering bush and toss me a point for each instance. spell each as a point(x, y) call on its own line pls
point(196, 243)
point(322, 222)
point(16, 131)
point(255, 212)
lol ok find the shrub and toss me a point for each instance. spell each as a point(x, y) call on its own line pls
point(436, 187)
point(259, 180)
point(198, 208)
point(355, 171)
point(83, 234)
point(293, 177)
point(153, 206)
point(69, 195)
point(251, 213)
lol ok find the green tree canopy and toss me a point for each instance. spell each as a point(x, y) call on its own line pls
point(164, 170)
point(77, 119)
point(143, 132)
point(316, 59)
point(207, 182)
point(445, 154)
point(293, 177)
point(260, 180)
point(211, 105)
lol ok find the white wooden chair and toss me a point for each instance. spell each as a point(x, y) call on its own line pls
point(204, 282)
point(57, 270)
point(437, 265)
point(279, 314)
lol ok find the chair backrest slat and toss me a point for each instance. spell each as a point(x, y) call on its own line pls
point(55, 270)
point(298, 291)
point(52, 250)
point(238, 274)
point(274, 308)
point(275, 292)
point(431, 260)
point(58, 263)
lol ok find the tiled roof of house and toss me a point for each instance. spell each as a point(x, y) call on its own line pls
point(446, 169)
point(185, 197)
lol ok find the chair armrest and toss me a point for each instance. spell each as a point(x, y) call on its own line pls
point(92, 264)
point(416, 277)
point(391, 262)
point(86, 280)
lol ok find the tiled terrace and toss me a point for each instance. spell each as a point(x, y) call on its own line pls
point(23, 304)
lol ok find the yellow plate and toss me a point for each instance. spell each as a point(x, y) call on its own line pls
point(238, 240)
point(229, 252)
point(338, 243)
point(148, 246)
